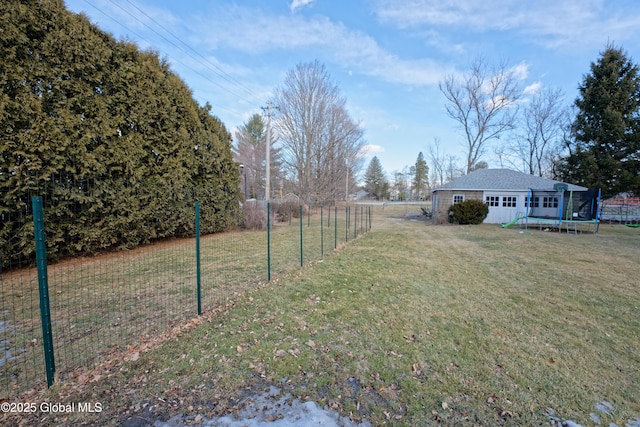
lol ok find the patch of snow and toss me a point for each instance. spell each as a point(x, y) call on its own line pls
point(5, 345)
point(603, 407)
point(270, 408)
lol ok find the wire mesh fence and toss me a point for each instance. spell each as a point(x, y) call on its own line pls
point(621, 210)
point(104, 302)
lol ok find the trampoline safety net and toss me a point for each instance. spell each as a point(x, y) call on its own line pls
point(563, 205)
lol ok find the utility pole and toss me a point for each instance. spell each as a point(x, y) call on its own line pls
point(346, 190)
point(267, 110)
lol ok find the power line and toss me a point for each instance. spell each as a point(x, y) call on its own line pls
point(179, 48)
point(175, 59)
point(221, 72)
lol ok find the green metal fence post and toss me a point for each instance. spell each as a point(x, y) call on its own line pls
point(269, 239)
point(366, 214)
point(43, 287)
point(355, 223)
point(335, 228)
point(198, 281)
point(321, 232)
point(301, 261)
point(347, 215)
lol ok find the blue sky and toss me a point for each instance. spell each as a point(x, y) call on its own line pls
point(386, 56)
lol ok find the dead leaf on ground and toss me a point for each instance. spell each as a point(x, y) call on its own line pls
point(294, 352)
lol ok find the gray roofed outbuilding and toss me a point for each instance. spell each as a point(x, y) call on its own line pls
point(505, 190)
point(503, 179)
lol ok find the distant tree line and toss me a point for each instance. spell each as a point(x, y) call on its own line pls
point(106, 133)
point(410, 184)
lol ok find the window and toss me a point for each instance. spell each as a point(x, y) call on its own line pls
point(458, 198)
point(550, 202)
point(509, 201)
point(535, 203)
point(493, 200)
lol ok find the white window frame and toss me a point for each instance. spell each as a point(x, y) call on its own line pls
point(493, 201)
point(458, 198)
point(550, 202)
point(509, 201)
point(528, 202)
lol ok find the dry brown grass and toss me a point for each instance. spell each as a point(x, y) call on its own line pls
point(413, 325)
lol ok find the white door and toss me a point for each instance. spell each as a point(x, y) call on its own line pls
point(503, 208)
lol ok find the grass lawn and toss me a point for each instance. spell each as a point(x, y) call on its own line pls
point(411, 324)
point(105, 303)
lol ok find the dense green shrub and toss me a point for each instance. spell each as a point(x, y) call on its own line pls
point(469, 212)
point(108, 135)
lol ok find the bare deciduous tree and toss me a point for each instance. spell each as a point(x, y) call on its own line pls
point(541, 131)
point(483, 102)
point(321, 143)
point(438, 162)
point(452, 168)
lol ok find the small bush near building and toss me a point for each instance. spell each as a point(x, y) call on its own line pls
point(469, 212)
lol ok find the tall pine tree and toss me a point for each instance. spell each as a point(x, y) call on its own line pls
point(375, 179)
point(421, 177)
point(605, 151)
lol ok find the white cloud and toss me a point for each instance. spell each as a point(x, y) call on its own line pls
point(549, 22)
point(410, 13)
point(371, 150)
point(532, 89)
point(520, 71)
point(297, 4)
point(254, 31)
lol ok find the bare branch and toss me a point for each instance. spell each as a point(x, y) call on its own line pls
point(321, 142)
point(484, 103)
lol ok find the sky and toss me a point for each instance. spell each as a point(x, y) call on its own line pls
point(386, 56)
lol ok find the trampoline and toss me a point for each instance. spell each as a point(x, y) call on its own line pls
point(562, 209)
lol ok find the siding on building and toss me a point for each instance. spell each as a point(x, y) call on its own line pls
point(491, 182)
point(444, 200)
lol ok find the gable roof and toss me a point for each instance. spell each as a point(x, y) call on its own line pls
point(502, 179)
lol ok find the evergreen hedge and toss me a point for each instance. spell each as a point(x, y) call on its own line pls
point(107, 134)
